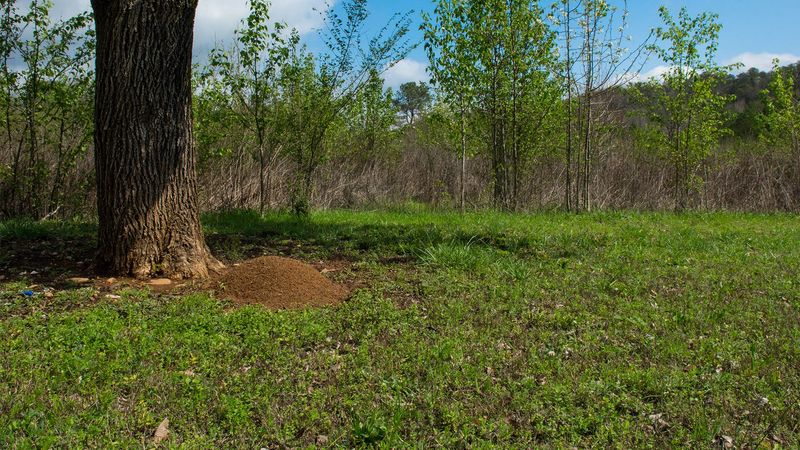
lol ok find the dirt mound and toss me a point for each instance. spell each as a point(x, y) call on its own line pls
point(278, 283)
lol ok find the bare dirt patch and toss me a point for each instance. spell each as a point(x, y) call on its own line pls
point(45, 260)
point(51, 265)
point(278, 283)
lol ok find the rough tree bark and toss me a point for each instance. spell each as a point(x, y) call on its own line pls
point(144, 147)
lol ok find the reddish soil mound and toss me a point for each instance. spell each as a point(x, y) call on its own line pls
point(278, 283)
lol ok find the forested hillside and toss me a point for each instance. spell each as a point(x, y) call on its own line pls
point(530, 107)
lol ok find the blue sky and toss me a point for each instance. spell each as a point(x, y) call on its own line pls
point(753, 31)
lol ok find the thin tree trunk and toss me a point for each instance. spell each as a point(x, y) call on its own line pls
point(587, 149)
point(677, 180)
point(513, 186)
point(7, 36)
point(506, 163)
point(268, 182)
point(514, 145)
point(54, 193)
point(31, 95)
point(463, 156)
point(578, 157)
point(261, 164)
point(144, 147)
point(260, 136)
point(568, 186)
point(587, 145)
point(688, 169)
point(242, 190)
point(16, 169)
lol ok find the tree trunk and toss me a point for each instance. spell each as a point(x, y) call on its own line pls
point(587, 149)
point(463, 158)
point(587, 144)
point(144, 148)
point(31, 100)
point(261, 164)
point(568, 185)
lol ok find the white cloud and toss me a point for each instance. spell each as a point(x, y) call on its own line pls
point(63, 8)
point(654, 73)
point(404, 71)
point(763, 60)
point(305, 15)
point(221, 17)
point(216, 20)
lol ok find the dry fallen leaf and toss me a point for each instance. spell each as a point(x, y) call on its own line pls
point(162, 432)
point(725, 441)
point(659, 424)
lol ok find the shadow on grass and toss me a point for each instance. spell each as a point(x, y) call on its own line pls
point(244, 234)
point(52, 252)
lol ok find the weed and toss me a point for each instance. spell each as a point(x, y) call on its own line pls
point(548, 330)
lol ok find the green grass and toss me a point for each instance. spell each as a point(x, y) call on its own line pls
point(485, 330)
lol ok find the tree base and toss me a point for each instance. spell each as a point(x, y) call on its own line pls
point(191, 260)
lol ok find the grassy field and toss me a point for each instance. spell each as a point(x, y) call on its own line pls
point(549, 330)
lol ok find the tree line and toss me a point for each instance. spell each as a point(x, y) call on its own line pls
point(530, 105)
